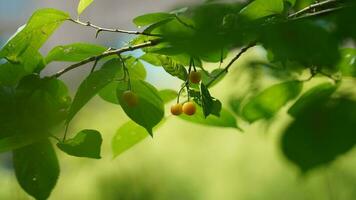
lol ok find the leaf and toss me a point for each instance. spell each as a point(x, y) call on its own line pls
point(108, 93)
point(36, 168)
point(136, 68)
point(87, 143)
point(83, 4)
point(151, 18)
point(10, 74)
point(93, 84)
point(127, 136)
point(17, 141)
point(323, 131)
point(226, 119)
point(24, 45)
point(347, 63)
point(312, 96)
point(74, 52)
point(173, 67)
point(209, 104)
point(150, 109)
point(262, 8)
point(270, 101)
point(168, 95)
point(151, 58)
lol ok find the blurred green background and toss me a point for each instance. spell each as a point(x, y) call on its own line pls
point(183, 161)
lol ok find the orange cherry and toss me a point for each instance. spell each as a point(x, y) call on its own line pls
point(195, 77)
point(189, 108)
point(130, 98)
point(176, 109)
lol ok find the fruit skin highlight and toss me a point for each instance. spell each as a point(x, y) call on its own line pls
point(177, 109)
point(189, 108)
point(195, 77)
point(130, 98)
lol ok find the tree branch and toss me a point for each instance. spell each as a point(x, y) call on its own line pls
point(311, 8)
point(100, 29)
point(226, 69)
point(105, 54)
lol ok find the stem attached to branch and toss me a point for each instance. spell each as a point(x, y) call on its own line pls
point(312, 7)
point(106, 54)
point(101, 29)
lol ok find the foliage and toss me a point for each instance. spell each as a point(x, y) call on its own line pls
point(298, 36)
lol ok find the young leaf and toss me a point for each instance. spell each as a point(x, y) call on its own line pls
point(151, 18)
point(312, 96)
point(24, 45)
point(87, 143)
point(74, 52)
point(83, 4)
point(323, 131)
point(262, 8)
point(127, 136)
point(167, 95)
point(93, 84)
point(36, 168)
point(149, 110)
point(269, 101)
point(226, 119)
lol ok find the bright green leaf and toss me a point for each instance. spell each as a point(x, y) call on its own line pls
point(168, 95)
point(36, 168)
point(74, 52)
point(83, 4)
point(262, 8)
point(87, 143)
point(150, 108)
point(270, 101)
point(347, 63)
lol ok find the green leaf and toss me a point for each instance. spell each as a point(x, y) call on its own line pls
point(313, 95)
point(17, 141)
point(10, 74)
point(347, 63)
point(270, 101)
point(209, 104)
point(168, 95)
point(262, 8)
point(108, 93)
point(136, 68)
point(87, 143)
point(151, 58)
point(150, 109)
point(36, 168)
point(93, 84)
point(24, 45)
point(127, 136)
point(323, 131)
point(151, 18)
point(83, 4)
point(74, 52)
point(173, 67)
point(226, 119)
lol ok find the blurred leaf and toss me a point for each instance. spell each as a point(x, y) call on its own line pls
point(167, 95)
point(151, 58)
point(271, 100)
point(36, 168)
point(262, 8)
point(17, 141)
point(324, 130)
point(151, 18)
point(74, 52)
point(10, 74)
point(83, 4)
point(313, 95)
point(347, 63)
point(24, 45)
point(207, 77)
point(87, 143)
point(150, 109)
point(93, 84)
point(226, 119)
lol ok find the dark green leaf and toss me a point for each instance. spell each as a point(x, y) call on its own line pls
point(93, 84)
point(74, 52)
point(151, 18)
point(270, 101)
point(10, 74)
point(150, 109)
point(347, 63)
point(312, 96)
point(209, 104)
point(87, 143)
point(36, 168)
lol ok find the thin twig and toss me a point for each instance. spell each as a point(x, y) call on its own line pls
point(310, 8)
point(105, 54)
point(226, 69)
point(319, 12)
point(101, 29)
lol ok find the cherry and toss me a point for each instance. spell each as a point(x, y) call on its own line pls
point(195, 77)
point(130, 98)
point(176, 109)
point(189, 108)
